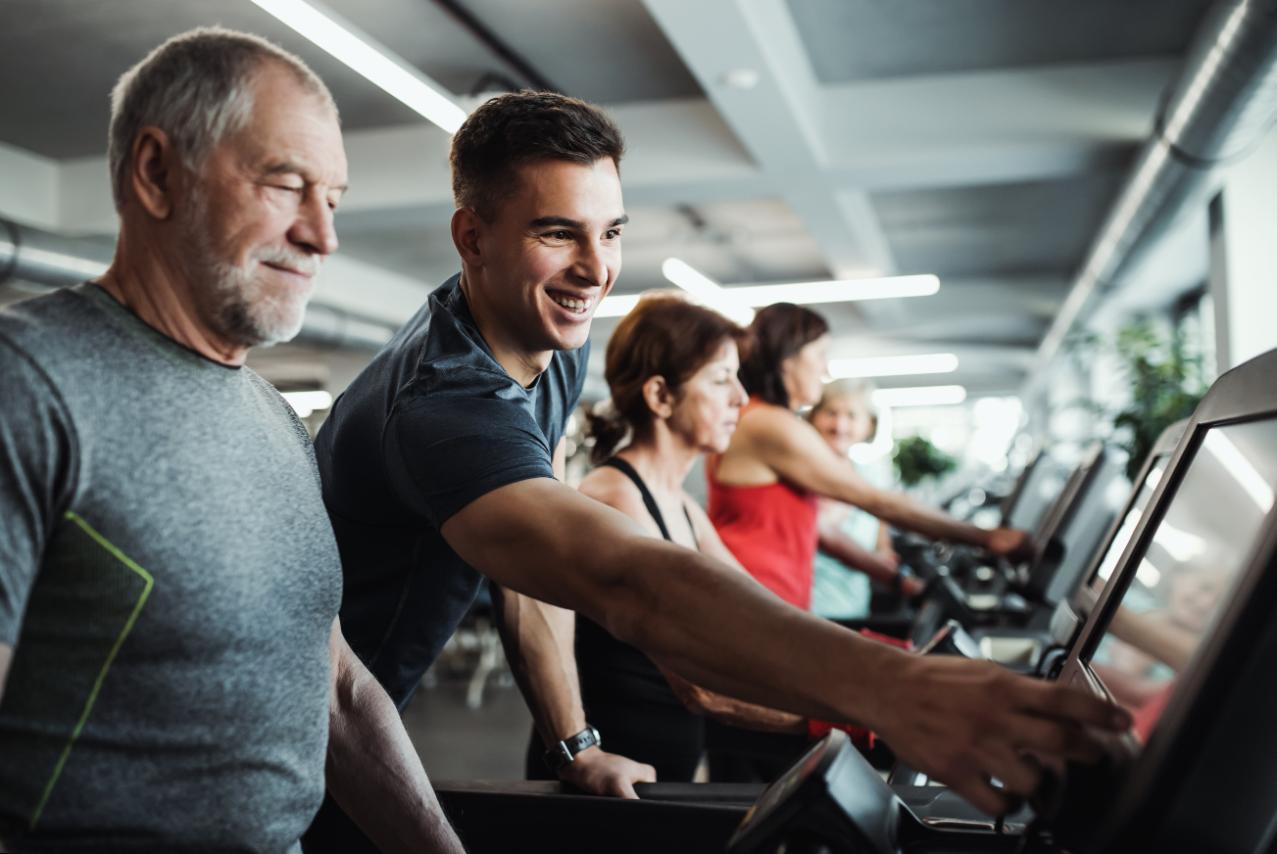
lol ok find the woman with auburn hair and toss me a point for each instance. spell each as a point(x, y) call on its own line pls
point(671, 368)
point(763, 489)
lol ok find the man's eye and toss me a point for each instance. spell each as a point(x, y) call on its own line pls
point(289, 188)
point(558, 235)
point(612, 233)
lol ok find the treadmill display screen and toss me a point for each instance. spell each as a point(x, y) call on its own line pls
point(1040, 492)
point(1129, 523)
point(1183, 577)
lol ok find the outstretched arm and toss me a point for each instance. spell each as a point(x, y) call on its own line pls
point(792, 448)
point(373, 771)
point(960, 721)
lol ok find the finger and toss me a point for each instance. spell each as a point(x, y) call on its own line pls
point(977, 792)
point(1053, 700)
point(1053, 738)
point(645, 774)
point(1020, 777)
point(623, 788)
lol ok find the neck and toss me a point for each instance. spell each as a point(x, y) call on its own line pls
point(163, 298)
point(662, 459)
point(521, 364)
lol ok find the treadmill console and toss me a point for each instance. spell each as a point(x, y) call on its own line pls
point(830, 800)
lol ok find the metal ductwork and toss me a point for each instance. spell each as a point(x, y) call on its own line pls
point(1221, 106)
point(38, 261)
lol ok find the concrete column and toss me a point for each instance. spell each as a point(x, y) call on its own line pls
point(1244, 257)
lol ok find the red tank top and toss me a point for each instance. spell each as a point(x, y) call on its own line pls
point(771, 529)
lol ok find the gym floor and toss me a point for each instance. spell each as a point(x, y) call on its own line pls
point(458, 743)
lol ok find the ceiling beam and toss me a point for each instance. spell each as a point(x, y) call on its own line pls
point(778, 119)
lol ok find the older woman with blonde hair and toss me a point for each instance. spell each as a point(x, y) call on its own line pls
point(854, 546)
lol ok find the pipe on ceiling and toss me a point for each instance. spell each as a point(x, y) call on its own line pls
point(1220, 107)
point(38, 261)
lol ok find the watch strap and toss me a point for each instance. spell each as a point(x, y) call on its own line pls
point(564, 752)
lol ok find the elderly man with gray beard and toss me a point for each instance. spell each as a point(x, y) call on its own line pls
point(172, 672)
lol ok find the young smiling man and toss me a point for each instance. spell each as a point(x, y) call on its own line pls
point(176, 675)
point(439, 466)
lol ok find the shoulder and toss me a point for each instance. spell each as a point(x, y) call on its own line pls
point(42, 325)
point(284, 413)
point(29, 361)
point(764, 425)
point(608, 486)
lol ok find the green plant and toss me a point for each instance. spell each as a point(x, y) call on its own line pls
point(1166, 383)
point(916, 459)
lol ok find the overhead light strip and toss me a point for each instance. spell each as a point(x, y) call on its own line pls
point(893, 366)
point(741, 297)
point(934, 395)
point(837, 290)
point(365, 55)
point(705, 290)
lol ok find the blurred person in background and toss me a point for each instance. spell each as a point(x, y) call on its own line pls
point(854, 546)
point(764, 489)
point(765, 492)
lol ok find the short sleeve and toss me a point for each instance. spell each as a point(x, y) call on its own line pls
point(37, 455)
point(443, 453)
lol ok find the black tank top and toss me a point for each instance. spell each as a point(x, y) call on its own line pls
point(612, 671)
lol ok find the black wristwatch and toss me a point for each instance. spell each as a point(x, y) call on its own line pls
point(561, 755)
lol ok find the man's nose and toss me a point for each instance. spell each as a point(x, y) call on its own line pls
point(314, 227)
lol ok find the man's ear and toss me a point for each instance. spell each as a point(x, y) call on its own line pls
point(658, 396)
point(153, 172)
point(467, 227)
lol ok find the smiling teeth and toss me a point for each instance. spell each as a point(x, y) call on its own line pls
point(570, 303)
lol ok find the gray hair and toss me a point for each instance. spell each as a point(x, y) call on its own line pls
point(196, 87)
point(856, 389)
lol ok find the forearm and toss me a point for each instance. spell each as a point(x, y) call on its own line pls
point(682, 615)
point(729, 710)
point(903, 512)
point(851, 553)
point(538, 640)
point(1169, 644)
point(374, 772)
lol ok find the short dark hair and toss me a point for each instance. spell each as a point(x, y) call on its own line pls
point(779, 331)
point(510, 130)
point(664, 335)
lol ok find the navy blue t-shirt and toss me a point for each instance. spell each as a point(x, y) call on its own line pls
point(433, 423)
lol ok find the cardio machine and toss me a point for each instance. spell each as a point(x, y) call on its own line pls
point(1198, 772)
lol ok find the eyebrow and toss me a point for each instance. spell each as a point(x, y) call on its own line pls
point(288, 168)
point(543, 221)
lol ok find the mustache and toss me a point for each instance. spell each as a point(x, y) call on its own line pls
point(301, 262)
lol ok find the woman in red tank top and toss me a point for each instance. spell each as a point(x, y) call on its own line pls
point(763, 489)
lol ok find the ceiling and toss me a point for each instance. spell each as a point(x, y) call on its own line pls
point(980, 140)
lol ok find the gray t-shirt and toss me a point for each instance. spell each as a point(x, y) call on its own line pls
point(168, 578)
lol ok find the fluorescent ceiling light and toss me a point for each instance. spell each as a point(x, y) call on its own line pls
point(374, 61)
point(705, 290)
point(893, 366)
point(799, 293)
point(838, 290)
point(304, 403)
point(931, 395)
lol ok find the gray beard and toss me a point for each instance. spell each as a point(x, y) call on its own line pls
point(235, 304)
